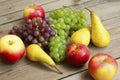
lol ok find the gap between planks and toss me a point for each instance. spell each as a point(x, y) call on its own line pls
point(11, 19)
point(73, 74)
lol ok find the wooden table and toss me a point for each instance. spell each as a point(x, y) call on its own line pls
point(11, 12)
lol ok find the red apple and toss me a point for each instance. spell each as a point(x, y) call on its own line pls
point(77, 54)
point(12, 48)
point(102, 67)
point(33, 10)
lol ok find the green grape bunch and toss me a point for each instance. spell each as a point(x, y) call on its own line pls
point(65, 21)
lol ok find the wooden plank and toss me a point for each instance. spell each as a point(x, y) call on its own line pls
point(35, 69)
point(2, 1)
point(15, 5)
point(47, 6)
point(61, 3)
point(103, 8)
point(27, 70)
point(109, 23)
point(114, 13)
point(106, 9)
point(10, 6)
point(86, 76)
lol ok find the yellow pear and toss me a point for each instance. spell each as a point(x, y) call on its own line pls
point(100, 36)
point(35, 53)
point(81, 36)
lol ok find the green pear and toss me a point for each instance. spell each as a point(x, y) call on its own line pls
point(36, 53)
point(100, 36)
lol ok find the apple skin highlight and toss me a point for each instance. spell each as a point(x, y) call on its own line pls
point(102, 66)
point(12, 48)
point(33, 11)
point(77, 54)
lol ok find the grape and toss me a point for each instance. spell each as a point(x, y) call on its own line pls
point(30, 38)
point(44, 23)
point(34, 41)
point(41, 38)
point(36, 30)
point(25, 34)
point(28, 21)
point(48, 29)
point(56, 43)
point(42, 30)
point(39, 44)
point(44, 43)
point(12, 32)
point(47, 20)
point(56, 56)
point(52, 33)
point(36, 33)
point(35, 24)
point(65, 21)
point(58, 26)
point(61, 20)
point(29, 26)
point(63, 26)
point(15, 28)
point(20, 31)
point(60, 13)
point(46, 35)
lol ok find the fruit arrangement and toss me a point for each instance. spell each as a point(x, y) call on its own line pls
point(36, 30)
point(35, 53)
point(65, 22)
point(64, 34)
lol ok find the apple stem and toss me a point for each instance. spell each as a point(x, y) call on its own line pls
point(10, 42)
point(34, 6)
point(58, 70)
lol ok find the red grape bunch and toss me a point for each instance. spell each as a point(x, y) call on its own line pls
point(36, 30)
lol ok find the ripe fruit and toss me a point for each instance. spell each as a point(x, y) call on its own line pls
point(12, 48)
point(100, 36)
point(81, 36)
point(33, 11)
point(65, 21)
point(102, 67)
point(35, 53)
point(38, 34)
point(77, 54)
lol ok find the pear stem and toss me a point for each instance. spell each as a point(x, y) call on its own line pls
point(88, 9)
point(58, 70)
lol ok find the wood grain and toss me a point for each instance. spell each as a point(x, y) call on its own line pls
point(48, 5)
point(11, 14)
point(86, 76)
point(12, 6)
